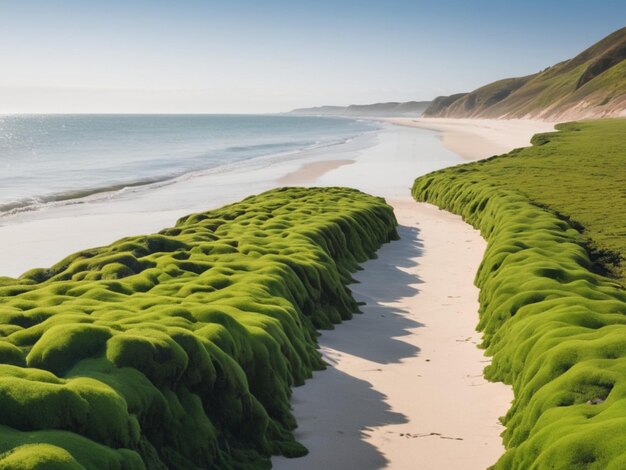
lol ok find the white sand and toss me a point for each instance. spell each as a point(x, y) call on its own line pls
point(311, 171)
point(474, 139)
point(409, 365)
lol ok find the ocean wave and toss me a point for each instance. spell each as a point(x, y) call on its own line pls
point(37, 202)
point(262, 154)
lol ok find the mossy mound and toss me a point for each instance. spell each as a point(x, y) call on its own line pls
point(179, 349)
point(556, 329)
point(579, 174)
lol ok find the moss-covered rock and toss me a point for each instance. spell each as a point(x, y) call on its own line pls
point(179, 349)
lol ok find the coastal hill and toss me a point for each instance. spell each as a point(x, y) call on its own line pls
point(591, 85)
point(409, 108)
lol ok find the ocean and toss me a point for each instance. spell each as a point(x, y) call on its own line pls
point(54, 158)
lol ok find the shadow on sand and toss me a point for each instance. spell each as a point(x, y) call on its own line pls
point(383, 281)
point(335, 409)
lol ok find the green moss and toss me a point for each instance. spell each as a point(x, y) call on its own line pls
point(62, 345)
point(10, 354)
point(179, 349)
point(556, 329)
point(579, 175)
point(39, 456)
point(60, 450)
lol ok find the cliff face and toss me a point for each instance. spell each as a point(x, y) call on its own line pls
point(592, 84)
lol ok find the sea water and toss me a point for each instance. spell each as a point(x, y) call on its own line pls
point(54, 158)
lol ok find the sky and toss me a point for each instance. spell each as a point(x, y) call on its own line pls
point(236, 56)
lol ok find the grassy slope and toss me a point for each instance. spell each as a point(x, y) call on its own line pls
point(178, 350)
point(556, 330)
point(474, 104)
point(592, 83)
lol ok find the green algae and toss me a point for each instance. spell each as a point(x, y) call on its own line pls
point(179, 349)
point(555, 328)
point(578, 173)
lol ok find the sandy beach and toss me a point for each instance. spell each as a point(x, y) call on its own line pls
point(474, 139)
point(405, 387)
point(311, 171)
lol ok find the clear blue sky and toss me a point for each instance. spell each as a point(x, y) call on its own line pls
point(273, 55)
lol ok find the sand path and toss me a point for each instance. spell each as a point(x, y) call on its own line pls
point(405, 388)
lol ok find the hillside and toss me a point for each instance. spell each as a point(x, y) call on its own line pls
point(409, 108)
point(592, 84)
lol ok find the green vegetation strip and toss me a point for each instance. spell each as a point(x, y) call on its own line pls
point(555, 328)
point(178, 350)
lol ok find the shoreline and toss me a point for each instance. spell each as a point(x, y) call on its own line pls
point(22, 207)
point(476, 139)
point(40, 238)
point(311, 171)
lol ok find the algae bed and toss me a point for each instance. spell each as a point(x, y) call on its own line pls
point(178, 349)
point(554, 216)
point(578, 173)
